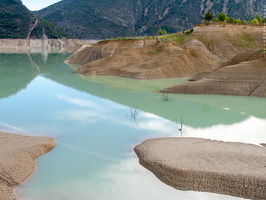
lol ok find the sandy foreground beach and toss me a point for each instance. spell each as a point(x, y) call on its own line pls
point(234, 169)
point(17, 160)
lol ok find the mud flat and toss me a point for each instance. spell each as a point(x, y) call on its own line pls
point(17, 160)
point(234, 169)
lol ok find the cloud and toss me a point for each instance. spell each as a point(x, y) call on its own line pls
point(123, 180)
point(251, 130)
point(81, 102)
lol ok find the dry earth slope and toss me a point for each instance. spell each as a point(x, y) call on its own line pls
point(220, 58)
point(17, 155)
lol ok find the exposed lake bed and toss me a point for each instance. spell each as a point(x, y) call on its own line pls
point(95, 132)
point(235, 169)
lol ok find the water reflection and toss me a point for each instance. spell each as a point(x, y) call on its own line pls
point(90, 121)
point(18, 70)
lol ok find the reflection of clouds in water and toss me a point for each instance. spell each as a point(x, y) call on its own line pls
point(4, 127)
point(135, 182)
point(81, 102)
point(251, 130)
point(93, 103)
point(83, 115)
point(88, 111)
point(153, 122)
point(89, 152)
point(129, 181)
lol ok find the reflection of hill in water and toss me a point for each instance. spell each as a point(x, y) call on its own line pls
point(196, 110)
point(18, 70)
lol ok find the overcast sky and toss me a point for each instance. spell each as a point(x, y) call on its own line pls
point(38, 4)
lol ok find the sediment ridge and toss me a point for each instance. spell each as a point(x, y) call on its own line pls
point(223, 59)
point(229, 168)
point(17, 160)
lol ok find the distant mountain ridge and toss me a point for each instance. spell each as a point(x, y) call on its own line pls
point(16, 21)
point(98, 19)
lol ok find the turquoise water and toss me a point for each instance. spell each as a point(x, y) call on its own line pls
point(92, 122)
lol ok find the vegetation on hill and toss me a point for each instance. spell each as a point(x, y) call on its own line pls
point(16, 21)
point(222, 17)
point(104, 19)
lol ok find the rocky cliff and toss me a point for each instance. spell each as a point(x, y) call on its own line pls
point(120, 18)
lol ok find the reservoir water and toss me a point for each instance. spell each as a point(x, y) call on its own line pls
point(97, 121)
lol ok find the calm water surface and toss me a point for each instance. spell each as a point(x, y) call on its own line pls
point(91, 121)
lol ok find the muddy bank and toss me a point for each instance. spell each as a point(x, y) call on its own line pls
point(234, 169)
point(17, 160)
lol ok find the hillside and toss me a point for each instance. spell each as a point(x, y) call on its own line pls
point(103, 19)
point(220, 59)
point(16, 21)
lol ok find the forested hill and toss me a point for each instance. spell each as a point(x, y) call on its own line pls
point(100, 19)
point(16, 21)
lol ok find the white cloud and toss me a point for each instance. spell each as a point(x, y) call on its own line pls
point(251, 130)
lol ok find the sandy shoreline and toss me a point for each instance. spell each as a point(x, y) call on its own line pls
point(234, 169)
point(17, 160)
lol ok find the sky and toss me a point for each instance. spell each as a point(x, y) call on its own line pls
point(38, 4)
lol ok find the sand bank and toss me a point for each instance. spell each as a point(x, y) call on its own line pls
point(235, 169)
point(17, 160)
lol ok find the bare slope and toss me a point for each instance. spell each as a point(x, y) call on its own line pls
point(235, 169)
point(17, 160)
point(246, 78)
point(152, 61)
point(221, 58)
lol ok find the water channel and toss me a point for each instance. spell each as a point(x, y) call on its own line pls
point(97, 121)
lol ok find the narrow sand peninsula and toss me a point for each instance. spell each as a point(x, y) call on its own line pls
point(17, 160)
point(235, 169)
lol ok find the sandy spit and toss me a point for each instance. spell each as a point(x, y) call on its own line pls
point(17, 160)
point(234, 169)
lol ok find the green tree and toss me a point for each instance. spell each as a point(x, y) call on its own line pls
point(161, 31)
point(238, 21)
point(222, 17)
point(255, 21)
point(208, 16)
point(259, 18)
point(231, 20)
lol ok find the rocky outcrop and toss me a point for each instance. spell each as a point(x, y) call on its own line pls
point(234, 169)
